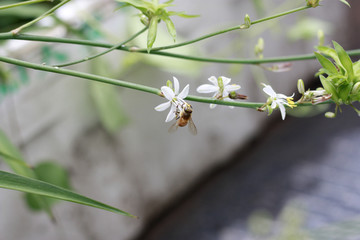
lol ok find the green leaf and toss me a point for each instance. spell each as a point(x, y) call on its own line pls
point(329, 52)
point(326, 63)
point(105, 98)
point(49, 172)
point(143, 6)
point(344, 92)
point(329, 87)
point(182, 14)
point(12, 157)
point(152, 32)
point(345, 60)
point(345, 2)
point(29, 185)
point(170, 27)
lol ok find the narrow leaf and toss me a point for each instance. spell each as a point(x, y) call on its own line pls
point(345, 2)
point(182, 14)
point(152, 32)
point(345, 60)
point(344, 92)
point(326, 63)
point(327, 85)
point(29, 185)
point(170, 27)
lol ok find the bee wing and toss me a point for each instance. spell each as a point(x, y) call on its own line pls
point(192, 127)
point(173, 127)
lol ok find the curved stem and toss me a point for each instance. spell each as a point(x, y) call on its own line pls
point(80, 75)
point(238, 27)
point(44, 15)
point(23, 3)
point(29, 37)
point(104, 52)
point(130, 85)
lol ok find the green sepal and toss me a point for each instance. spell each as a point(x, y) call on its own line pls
point(344, 93)
point(345, 2)
point(345, 60)
point(326, 63)
point(329, 87)
point(170, 26)
point(182, 14)
point(329, 52)
point(152, 32)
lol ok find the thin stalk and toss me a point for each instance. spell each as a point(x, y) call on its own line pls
point(44, 15)
point(23, 3)
point(104, 52)
point(238, 27)
point(80, 75)
point(6, 36)
point(125, 84)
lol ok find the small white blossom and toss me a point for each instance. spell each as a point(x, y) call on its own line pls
point(278, 100)
point(175, 99)
point(220, 87)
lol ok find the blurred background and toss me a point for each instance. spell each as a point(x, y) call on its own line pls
point(243, 176)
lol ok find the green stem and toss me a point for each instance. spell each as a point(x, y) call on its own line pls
point(80, 75)
point(23, 3)
point(3, 36)
point(125, 84)
point(44, 15)
point(238, 27)
point(104, 52)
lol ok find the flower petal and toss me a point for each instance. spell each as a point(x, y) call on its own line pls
point(168, 92)
point(232, 87)
point(207, 88)
point(184, 92)
point(269, 91)
point(213, 80)
point(283, 111)
point(212, 106)
point(163, 106)
point(226, 80)
point(176, 85)
point(171, 114)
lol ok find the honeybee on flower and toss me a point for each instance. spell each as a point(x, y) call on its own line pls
point(179, 108)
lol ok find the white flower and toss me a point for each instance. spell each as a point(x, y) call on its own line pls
point(278, 100)
point(220, 87)
point(175, 99)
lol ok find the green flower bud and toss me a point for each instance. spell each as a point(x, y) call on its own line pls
point(221, 85)
point(313, 3)
point(330, 115)
point(169, 84)
point(321, 37)
point(247, 22)
point(144, 20)
point(259, 48)
point(301, 86)
point(356, 88)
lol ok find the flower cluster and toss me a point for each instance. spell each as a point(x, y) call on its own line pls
point(277, 100)
point(221, 89)
point(176, 100)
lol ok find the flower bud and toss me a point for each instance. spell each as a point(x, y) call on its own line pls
point(313, 3)
point(301, 86)
point(144, 20)
point(247, 22)
point(330, 115)
point(259, 48)
point(356, 88)
point(169, 84)
point(321, 37)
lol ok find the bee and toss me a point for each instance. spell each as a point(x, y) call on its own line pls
point(183, 118)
